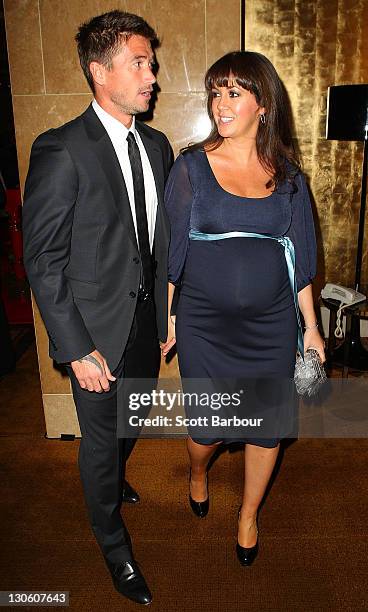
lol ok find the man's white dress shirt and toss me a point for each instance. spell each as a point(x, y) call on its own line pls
point(118, 135)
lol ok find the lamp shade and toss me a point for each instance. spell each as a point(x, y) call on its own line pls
point(347, 112)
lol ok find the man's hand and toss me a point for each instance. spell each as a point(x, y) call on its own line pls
point(171, 339)
point(92, 372)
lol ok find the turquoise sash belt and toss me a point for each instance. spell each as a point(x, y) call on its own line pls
point(290, 261)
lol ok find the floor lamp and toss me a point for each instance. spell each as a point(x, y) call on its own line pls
point(347, 119)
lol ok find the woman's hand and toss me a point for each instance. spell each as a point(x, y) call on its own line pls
point(171, 338)
point(313, 339)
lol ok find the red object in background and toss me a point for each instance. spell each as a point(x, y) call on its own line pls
point(14, 285)
point(14, 208)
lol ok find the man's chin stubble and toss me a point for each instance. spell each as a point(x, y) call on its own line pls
point(124, 110)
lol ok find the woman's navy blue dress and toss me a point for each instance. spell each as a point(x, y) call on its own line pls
point(235, 316)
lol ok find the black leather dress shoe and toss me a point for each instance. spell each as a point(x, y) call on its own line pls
point(130, 496)
point(129, 581)
point(246, 556)
point(199, 508)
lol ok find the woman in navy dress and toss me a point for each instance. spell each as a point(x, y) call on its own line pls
point(236, 315)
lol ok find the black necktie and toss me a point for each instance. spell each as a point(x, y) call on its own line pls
point(140, 212)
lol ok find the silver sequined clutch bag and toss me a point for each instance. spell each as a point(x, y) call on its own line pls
point(309, 375)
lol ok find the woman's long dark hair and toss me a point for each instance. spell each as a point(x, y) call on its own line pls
point(255, 73)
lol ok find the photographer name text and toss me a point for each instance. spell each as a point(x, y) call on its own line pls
point(203, 421)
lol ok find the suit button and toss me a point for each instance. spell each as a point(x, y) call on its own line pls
point(136, 260)
point(132, 294)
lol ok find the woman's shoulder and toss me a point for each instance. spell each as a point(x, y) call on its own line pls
point(186, 169)
point(188, 156)
point(192, 154)
point(192, 149)
point(191, 161)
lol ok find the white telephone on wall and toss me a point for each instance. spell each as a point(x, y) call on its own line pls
point(342, 294)
point(346, 297)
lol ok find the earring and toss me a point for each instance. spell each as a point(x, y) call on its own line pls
point(262, 118)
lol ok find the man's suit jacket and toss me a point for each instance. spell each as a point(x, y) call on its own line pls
point(80, 247)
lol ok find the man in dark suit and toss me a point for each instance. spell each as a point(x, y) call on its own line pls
point(95, 247)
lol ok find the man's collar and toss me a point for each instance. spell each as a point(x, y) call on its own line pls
point(110, 123)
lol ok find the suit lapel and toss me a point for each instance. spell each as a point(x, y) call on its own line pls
point(102, 147)
point(105, 153)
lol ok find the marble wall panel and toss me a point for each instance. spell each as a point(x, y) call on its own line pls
point(182, 117)
point(24, 46)
point(53, 378)
point(182, 54)
point(60, 415)
point(180, 26)
point(59, 24)
point(222, 29)
point(169, 368)
point(363, 46)
point(35, 114)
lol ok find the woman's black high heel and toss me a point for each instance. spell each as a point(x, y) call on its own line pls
point(199, 508)
point(246, 556)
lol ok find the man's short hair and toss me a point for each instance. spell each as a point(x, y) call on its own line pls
point(99, 39)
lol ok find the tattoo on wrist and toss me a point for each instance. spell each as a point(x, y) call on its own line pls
point(93, 360)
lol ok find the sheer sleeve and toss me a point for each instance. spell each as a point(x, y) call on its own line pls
point(178, 202)
point(302, 234)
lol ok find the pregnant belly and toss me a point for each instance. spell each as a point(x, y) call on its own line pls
point(247, 275)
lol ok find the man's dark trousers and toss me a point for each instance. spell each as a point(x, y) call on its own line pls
point(102, 455)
